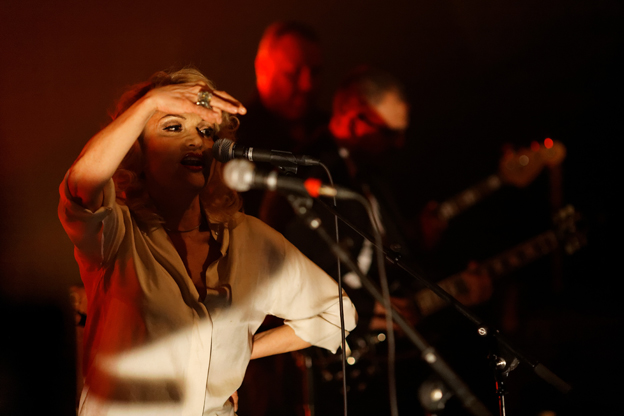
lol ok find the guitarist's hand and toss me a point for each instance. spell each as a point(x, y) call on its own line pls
point(477, 286)
point(404, 306)
point(470, 287)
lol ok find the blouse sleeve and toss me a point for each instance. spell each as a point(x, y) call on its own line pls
point(307, 298)
point(96, 235)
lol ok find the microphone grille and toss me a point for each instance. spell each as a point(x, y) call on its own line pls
point(238, 174)
point(221, 150)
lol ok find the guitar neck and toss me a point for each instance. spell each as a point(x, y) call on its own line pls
point(508, 261)
point(466, 199)
point(521, 255)
point(515, 168)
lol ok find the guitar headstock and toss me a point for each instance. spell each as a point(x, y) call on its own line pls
point(566, 221)
point(521, 167)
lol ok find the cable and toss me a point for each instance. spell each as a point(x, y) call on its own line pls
point(392, 392)
point(385, 291)
point(341, 307)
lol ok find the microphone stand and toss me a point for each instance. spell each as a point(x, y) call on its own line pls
point(502, 366)
point(301, 206)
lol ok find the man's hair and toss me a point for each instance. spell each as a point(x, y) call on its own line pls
point(219, 201)
point(277, 30)
point(365, 85)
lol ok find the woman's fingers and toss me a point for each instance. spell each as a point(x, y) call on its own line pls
point(219, 100)
point(193, 101)
point(212, 114)
point(228, 103)
point(188, 98)
point(215, 102)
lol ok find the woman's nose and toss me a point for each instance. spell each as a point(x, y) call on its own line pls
point(195, 140)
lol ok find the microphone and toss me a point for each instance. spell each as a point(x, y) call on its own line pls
point(241, 176)
point(225, 150)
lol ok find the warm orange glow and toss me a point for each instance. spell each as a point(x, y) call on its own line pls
point(535, 146)
point(548, 143)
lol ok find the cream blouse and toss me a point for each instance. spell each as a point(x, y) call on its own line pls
point(151, 345)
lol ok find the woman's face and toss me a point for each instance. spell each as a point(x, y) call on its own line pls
point(177, 151)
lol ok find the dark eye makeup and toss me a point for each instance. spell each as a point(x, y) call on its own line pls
point(177, 127)
point(173, 127)
point(207, 132)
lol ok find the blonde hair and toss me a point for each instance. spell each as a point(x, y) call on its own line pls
point(218, 201)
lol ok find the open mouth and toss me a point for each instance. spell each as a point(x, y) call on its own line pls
point(193, 161)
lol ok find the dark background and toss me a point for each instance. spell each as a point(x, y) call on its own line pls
point(478, 74)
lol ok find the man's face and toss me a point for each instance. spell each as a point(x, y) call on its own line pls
point(393, 110)
point(377, 128)
point(288, 76)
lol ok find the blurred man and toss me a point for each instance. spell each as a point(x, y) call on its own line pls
point(369, 118)
point(370, 113)
point(283, 114)
point(288, 66)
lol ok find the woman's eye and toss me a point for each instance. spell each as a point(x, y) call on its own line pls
point(208, 132)
point(173, 127)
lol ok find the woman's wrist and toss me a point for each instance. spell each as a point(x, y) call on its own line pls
point(144, 108)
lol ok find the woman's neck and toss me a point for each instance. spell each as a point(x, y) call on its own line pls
point(179, 213)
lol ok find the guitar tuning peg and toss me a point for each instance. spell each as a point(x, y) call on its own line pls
point(575, 243)
point(564, 214)
point(572, 245)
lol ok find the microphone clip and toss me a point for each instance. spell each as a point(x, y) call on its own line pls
point(286, 163)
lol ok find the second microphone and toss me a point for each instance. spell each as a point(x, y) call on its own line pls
point(225, 150)
point(241, 176)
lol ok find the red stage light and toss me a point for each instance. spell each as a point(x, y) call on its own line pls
point(548, 143)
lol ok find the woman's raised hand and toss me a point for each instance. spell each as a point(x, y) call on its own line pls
point(186, 98)
point(104, 152)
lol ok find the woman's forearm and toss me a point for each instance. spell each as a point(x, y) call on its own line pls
point(276, 341)
point(102, 155)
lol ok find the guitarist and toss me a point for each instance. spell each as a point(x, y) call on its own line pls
point(367, 129)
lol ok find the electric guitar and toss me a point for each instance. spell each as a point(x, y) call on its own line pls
point(363, 350)
point(565, 234)
point(516, 168)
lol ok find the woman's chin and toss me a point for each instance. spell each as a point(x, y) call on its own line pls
point(191, 183)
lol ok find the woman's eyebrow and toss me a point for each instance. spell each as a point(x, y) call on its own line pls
point(173, 115)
